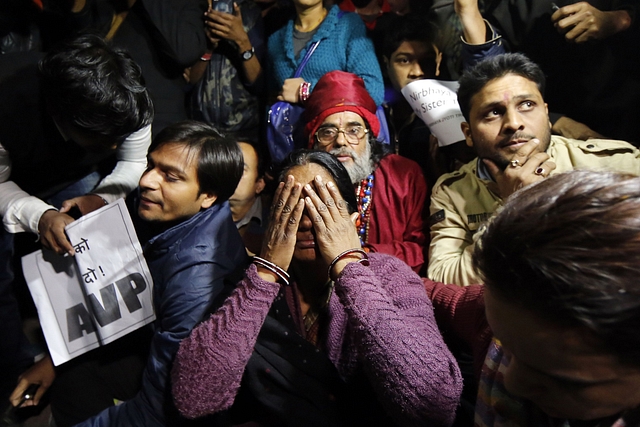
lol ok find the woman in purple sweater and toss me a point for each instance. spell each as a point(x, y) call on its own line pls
point(351, 341)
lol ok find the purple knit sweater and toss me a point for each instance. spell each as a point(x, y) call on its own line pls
point(380, 319)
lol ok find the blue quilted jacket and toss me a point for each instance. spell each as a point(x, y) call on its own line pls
point(188, 263)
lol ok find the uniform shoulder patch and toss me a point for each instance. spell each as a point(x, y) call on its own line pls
point(453, 177)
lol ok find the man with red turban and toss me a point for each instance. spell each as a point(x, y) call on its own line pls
point(391, 190)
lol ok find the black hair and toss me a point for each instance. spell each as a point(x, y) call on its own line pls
point(220, 163)
point(329, 163)
point(568, 250)
point(96, 88)
point(250, 137)
point(399, 29)
point(475, 78)
point(378, 149)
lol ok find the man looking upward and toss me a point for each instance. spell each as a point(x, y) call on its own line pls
point(507, 123)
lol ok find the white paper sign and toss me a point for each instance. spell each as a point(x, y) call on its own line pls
point(436, 103)
point(99, 295)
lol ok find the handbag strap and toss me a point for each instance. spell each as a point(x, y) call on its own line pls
point(304, 61)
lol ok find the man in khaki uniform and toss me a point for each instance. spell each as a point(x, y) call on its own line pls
point(508, 126)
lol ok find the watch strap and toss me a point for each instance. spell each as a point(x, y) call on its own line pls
point(248, 54)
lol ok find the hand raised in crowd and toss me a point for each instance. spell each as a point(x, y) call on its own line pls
point(291, 90)
point(51, 230)
point(526, 167)
point(221, 25)
point(41, 373)
point(581, 22)
point(280, 237)
point(87, 203)
point(335, 229)
point(473, 26)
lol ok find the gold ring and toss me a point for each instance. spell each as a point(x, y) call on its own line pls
point(539, 171)
point(515, 163)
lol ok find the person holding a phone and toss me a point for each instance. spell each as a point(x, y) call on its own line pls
point(227, 78)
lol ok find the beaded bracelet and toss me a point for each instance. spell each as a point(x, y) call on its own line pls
point(304, 91)
point(278, 271)
point(364, 260)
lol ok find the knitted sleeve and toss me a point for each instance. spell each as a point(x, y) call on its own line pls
point(460, 311)
point(210, 363)
point(413, 373)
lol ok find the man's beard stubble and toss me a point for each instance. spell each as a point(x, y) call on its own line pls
point(362, 165)
point(502, 161)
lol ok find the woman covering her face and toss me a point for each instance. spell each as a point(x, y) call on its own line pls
point(319, 333)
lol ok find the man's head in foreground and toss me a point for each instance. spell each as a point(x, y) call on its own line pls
point(561, 264)
point(502, 100)
point(95, 93)
point(190, 168)
point(342, 121)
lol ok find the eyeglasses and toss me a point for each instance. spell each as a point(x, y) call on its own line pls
point(329, 135)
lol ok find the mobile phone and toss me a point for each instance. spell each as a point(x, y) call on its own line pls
point(225, 6)
point(29, 393)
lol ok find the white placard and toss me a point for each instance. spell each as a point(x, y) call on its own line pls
point(436, 103)
point(102, 293)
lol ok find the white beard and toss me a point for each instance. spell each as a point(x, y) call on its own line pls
point(362, 165)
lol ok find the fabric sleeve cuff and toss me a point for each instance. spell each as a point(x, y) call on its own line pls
point(492, 36)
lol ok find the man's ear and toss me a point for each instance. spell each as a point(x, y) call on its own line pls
point(207, 200)
point(260, 184)
point(546, 109)
point(466, 130)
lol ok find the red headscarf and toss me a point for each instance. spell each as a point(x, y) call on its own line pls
point(335, 92)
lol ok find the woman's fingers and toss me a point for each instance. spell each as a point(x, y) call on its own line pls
point(330, 216)
point(291, 203)
point(340, 204)
point(280, 198)
point(328, 195)
point(319, 207)
point(319, 224)
point(286, 212)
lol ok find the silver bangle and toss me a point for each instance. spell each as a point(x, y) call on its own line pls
point(275, 269)
point(364, 260)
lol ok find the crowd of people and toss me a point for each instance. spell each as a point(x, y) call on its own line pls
point(373, 276)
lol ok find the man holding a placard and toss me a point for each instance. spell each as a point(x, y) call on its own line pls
point(191, 173)
point(507, 123)
point(76, 126)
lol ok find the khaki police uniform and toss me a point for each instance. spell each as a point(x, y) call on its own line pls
point(461, 201)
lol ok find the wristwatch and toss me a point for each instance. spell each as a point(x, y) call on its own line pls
point(248, 54)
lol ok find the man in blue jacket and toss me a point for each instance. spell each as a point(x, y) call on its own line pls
point(182, 200)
